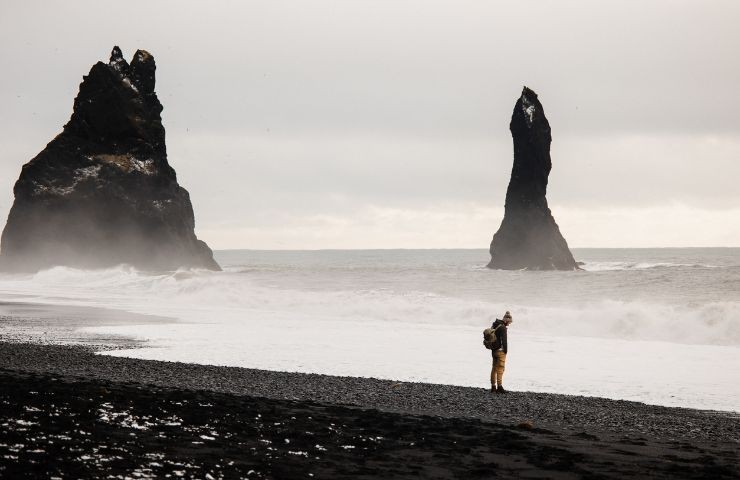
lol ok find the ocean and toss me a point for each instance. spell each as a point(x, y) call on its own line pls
point(660, 326)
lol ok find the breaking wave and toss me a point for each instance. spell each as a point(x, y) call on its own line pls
point(612, 266)
point(232, 297)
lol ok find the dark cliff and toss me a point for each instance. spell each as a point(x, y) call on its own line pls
point(102, 192)
point(528, 237)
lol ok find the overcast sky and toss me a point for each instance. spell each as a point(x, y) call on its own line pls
point(381, 124)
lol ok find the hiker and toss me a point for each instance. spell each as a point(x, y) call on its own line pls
point(499, 348)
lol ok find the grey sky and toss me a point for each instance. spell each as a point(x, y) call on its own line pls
point(351, 124)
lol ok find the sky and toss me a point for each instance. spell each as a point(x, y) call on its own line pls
point(384, 124)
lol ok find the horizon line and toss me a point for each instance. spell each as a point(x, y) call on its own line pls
point(452, 248)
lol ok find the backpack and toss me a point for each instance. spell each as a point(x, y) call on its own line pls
point(489, 337)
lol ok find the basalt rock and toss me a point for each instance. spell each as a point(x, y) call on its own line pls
point(102, 192)
point(528, 237)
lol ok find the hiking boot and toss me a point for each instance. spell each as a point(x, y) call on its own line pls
point(493, 389)
point(500, 389)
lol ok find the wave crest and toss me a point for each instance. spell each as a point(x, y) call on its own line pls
point(612, 266)
point(226, 297)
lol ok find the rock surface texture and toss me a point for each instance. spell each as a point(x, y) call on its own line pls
point(102, 192)
point(528, 237)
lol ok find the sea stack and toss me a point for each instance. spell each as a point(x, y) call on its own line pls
point(528, 237)
point(102, 192)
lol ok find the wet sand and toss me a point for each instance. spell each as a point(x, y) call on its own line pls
point(64, 324)
point(69, 412)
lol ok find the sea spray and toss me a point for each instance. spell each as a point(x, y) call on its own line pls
point(608, 304)
point(418, 316)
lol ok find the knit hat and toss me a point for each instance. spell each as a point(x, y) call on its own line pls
point(507, 316)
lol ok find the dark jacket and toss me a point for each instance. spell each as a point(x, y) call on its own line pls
point(500, 336)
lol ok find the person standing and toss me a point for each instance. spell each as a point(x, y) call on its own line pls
point(499, 350)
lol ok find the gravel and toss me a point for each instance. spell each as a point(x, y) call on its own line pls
point(562, 413)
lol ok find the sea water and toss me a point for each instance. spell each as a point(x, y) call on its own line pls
point(655, 325)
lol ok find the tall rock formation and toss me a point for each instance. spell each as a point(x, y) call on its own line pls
point(528, 237)
point(102, 192)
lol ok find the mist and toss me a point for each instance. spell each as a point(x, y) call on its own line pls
point(385, 124)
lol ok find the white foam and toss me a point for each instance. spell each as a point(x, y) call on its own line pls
point(613, 266)
point(230, 297)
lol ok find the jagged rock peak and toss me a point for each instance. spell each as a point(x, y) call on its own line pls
point(102, 192)
point(528, 104)
point(528, 237)
point(142, 61)
point(117, 104)
point(139, 75)
point(143, 69)
point(116, 57)
point(528, 112)
point(142, 56)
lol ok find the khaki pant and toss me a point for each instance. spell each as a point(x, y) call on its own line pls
point(497, 369)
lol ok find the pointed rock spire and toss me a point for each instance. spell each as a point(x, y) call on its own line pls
point(116, 103)
point(528, 237)
point(528, 104)
point(116, 59)
point(143, 71)
point(116, 54)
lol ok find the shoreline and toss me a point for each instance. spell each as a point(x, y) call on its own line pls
point(348, 333)
point(65, 325)
point(57, 324)
point(97, 415)
point(84, 362)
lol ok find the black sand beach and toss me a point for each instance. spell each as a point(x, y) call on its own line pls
point(25, 322)
point(69, 413)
